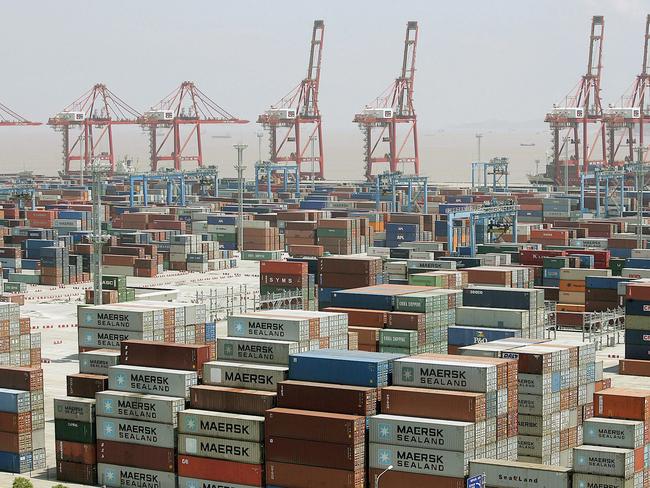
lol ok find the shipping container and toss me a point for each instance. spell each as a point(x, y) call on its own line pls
point(298, 475)
point(513, 474)
point(627, 434)
point(98, 361)
point(75, 452)
point(221, 424)
point(424, 402)
point(85, 474)
point(220, 448)
point(220, 470)
point(75, 408)
point(418, 460)
point(346, 399)
point(236, 400)
point(115, 476)
point(316, 426)
point(243, 375)
point(156, 381)
point(136, 455)
point(136, 432)
point(136, 406)
point(607, 461)
point(189, 357)
point(255, 350)
point(313, 453)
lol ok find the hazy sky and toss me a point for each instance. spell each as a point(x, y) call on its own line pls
point(477, 61)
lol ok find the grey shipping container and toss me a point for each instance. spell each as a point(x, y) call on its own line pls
point(582, 480)
point(445, 375)
point(255, 350)
point(75, 408)
point(136, 432)
point(613, 432)
point(417, 460)
point(448, 435)
point(608, 461)
point(221, 424)
point(109, 339)
point(115, 319)
point(241, 375)
point(513, 474)
point(502, 318)
point(98, 361)
point(184, 482)
point(119, 476)
point(137, 406)
point(219, 448)
point(269, 327)
point(156, 381)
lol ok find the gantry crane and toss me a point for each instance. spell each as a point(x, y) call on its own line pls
point(294, 122)
point(625, 122)
point(9, 118)
point(187, 106)
point(580, 118)
point(99, 109)
point(380, 120)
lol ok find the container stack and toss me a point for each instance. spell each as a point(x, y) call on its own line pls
point(318, 429)
point(223, 229)
point(612, 454)
point(260, 236)
point(341, 236)
point(557, 380)
point(286, 277)
point(572, 285)
point(637, 324)
point(601, 293)
point(339, 272)
point(451, 280)
point(500, 276)
point(454, 408)
point(106, 326)
point(425, 310)
point(22, 412)
point(492, 313)
point(75, 440)
point(131, 442)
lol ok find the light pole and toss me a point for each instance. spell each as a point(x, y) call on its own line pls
point(566, 165)
point(312, 139)
point(479, 136)
point(640, 183)
point(382, 474)
point(259, 146)
point(240, 196)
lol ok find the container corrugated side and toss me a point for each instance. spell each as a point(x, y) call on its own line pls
point(445, 375)
point(119, 476)
point(418, 460)
point(138, 406)
point(136, 432)
point(255, 350)
point(513, 474)
point(75, 408)
point(241, 375)
point(156, 381)
point(626, 434)
point(220, 448)
point(608, 461)
point(448, 435)
point(221, 424)
point(98, 361)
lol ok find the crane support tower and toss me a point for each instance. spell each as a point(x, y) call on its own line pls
point(294, 122)
point(580, 117)
point(179, 116)
point(94, 113)
point(380, 120)
point(626, 122)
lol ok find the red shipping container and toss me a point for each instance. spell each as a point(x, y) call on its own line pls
point(75, 452)
point(218, 470)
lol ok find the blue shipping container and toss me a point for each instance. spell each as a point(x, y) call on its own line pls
point(15, 463)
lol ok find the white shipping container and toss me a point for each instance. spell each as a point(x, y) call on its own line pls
point(626, 434)
point(582, 480)
point(258, 326)
point(156, 381)
point(255, 350)
point(221, 424)
point(447, 435)
point(417, 460)
point(136, 432)
point(513, 474)
point(608, 461)
point(119, 476)
point(241, 375)
point(220, 448)
point(445, 375)
point(184, 482)
point(98, 361)
point(136, 406)
point(109, 339)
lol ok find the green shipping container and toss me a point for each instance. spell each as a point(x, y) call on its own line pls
point(398, 338)
point(73, 431)
point(616, 265)
point(15, 287)
point(114, 282)
point(224, 237)
point(423, 280)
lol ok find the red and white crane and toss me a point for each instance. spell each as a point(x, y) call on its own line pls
point(180, 116)
point(294, 122)
point(626, 122)
point(94, 113)
point(577, 124)
point(9, 118)
point(381, 120)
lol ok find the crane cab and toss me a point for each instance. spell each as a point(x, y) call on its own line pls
point(159, 114)
point(281, 113)
point(71, 116)
point(378, 113)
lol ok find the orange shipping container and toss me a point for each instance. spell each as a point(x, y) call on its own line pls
point(622, 403)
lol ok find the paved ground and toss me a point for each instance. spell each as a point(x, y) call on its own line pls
point(53, 313)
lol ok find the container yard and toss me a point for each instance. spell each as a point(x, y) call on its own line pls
point(176, 326)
